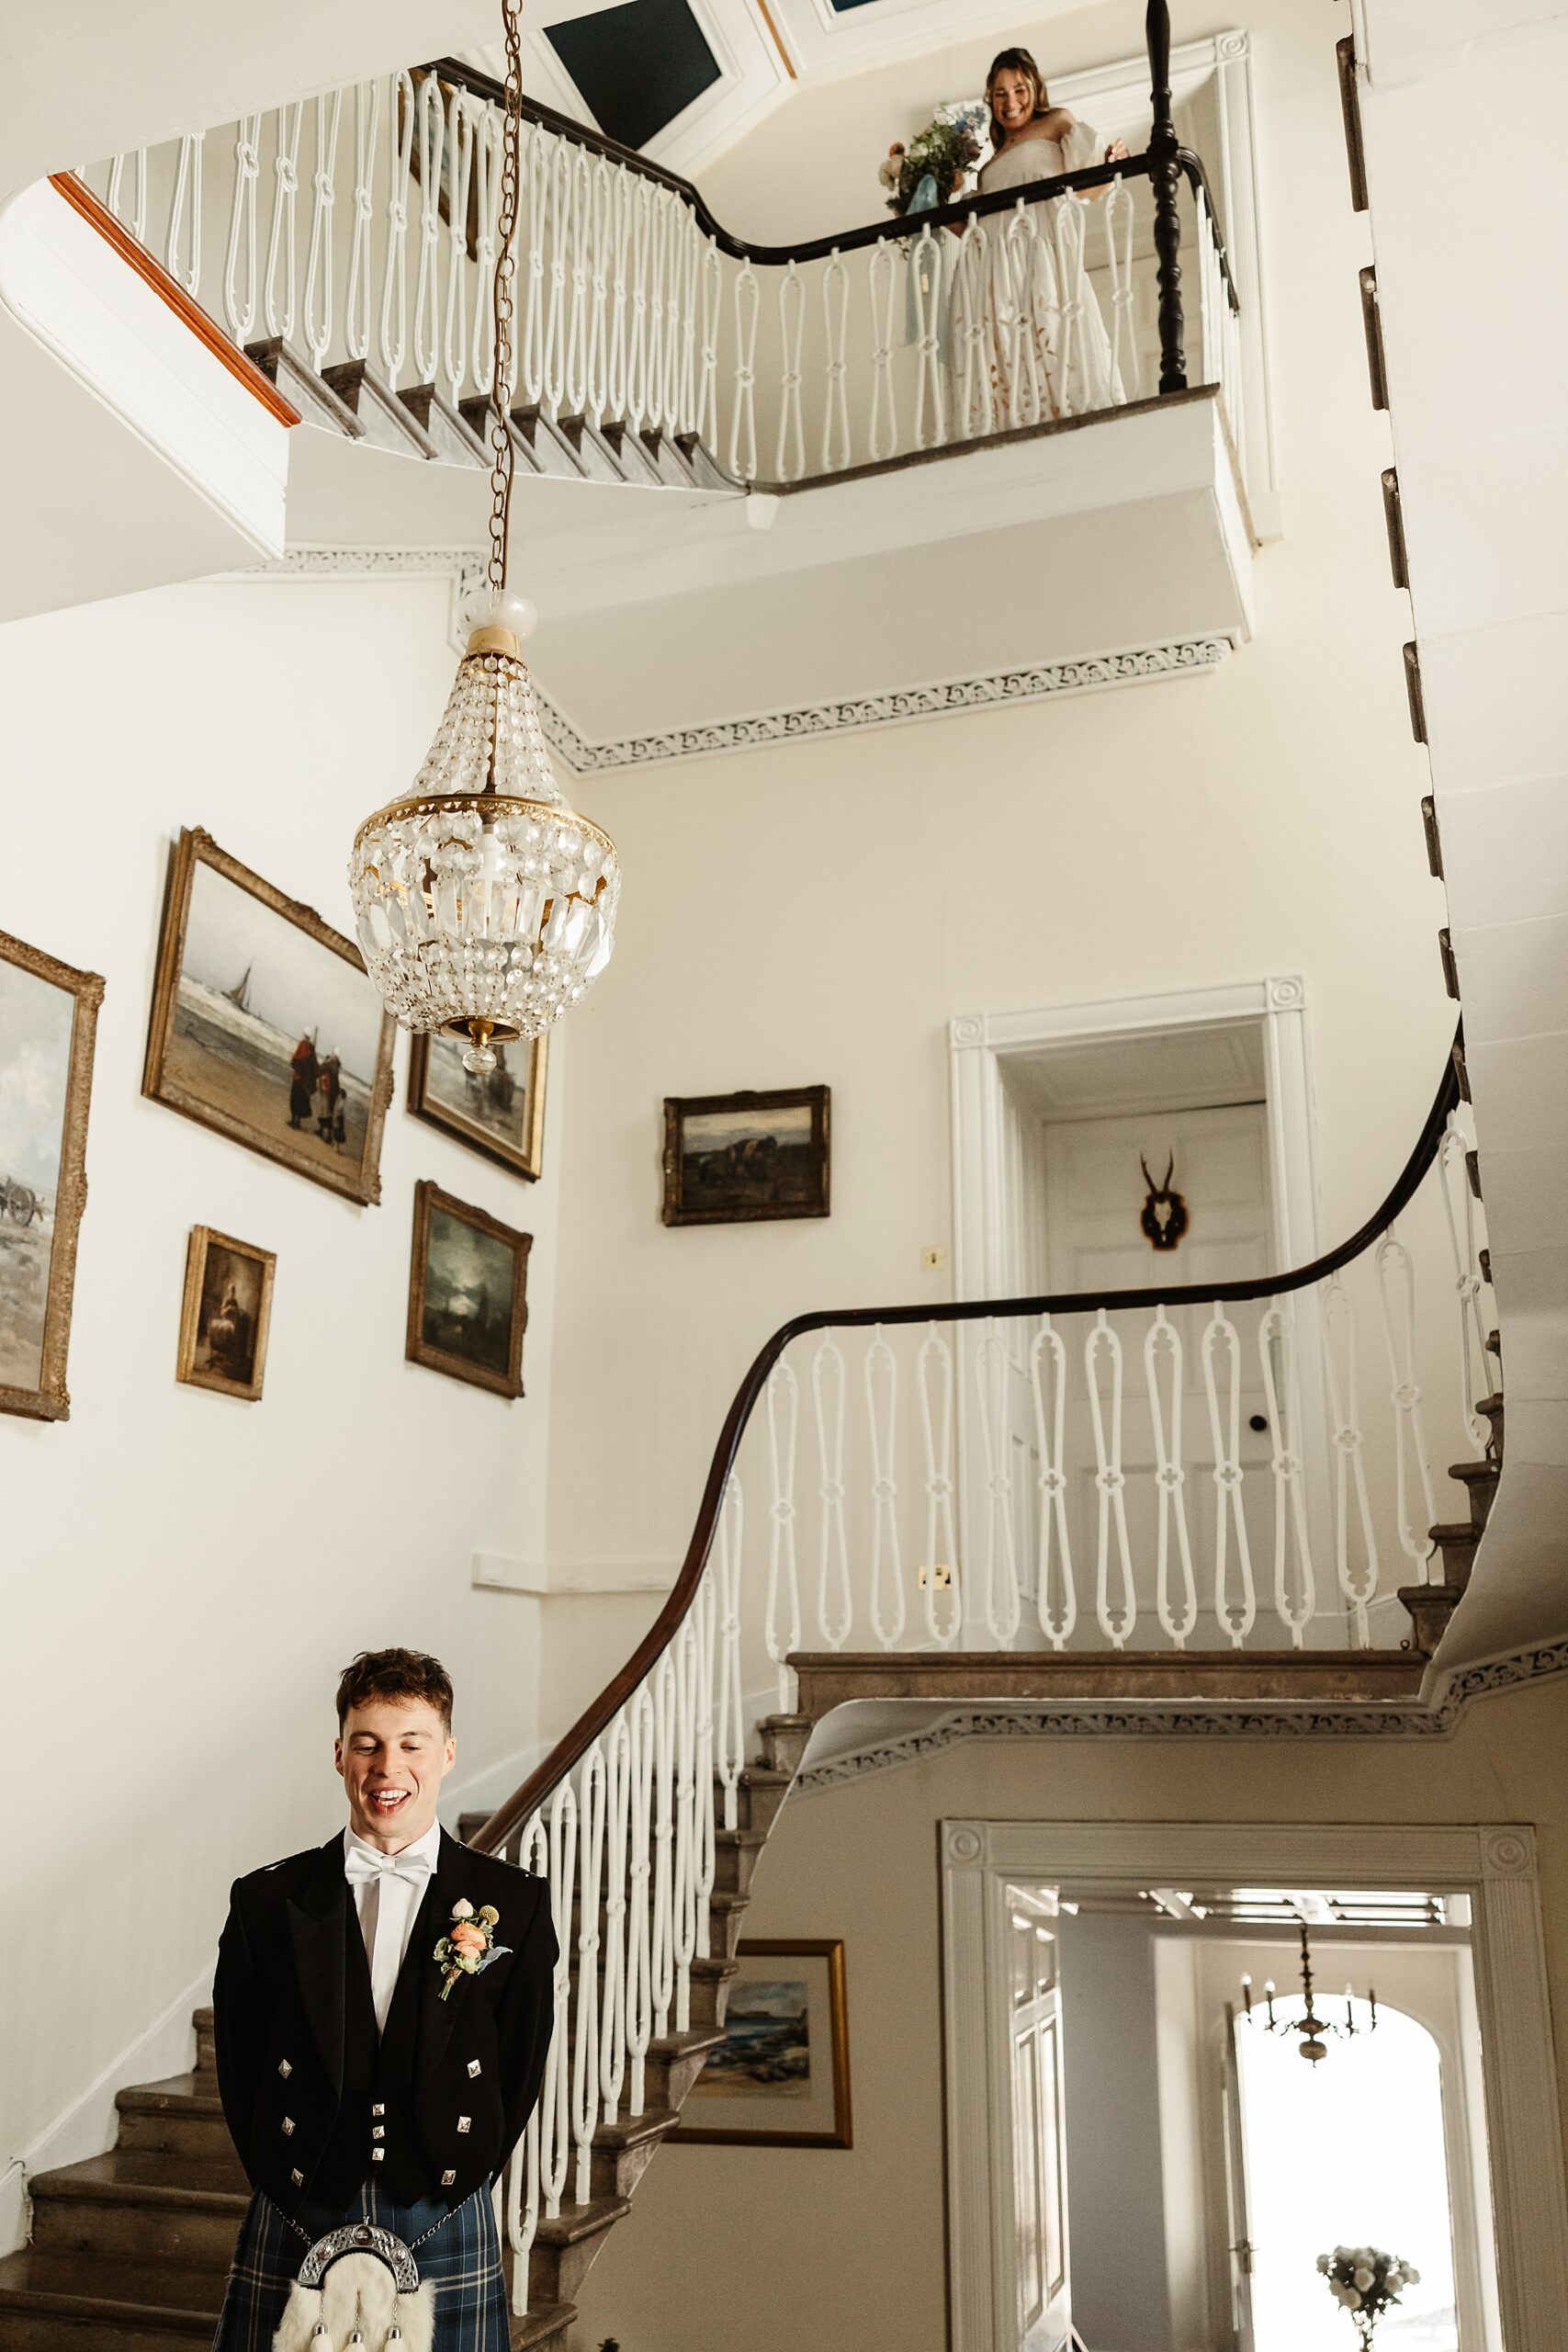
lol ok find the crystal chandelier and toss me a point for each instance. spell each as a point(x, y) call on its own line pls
point(484, 904)
point(1311, 2026)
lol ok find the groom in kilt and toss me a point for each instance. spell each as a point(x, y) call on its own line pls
point(382, 2006)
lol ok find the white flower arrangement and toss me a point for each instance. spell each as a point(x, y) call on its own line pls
point(1365, 2281)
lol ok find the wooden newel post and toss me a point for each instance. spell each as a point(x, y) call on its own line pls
point(1165, 177)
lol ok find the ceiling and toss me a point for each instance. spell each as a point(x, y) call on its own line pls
point(1118, 1076)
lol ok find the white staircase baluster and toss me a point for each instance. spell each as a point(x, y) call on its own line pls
point(554, 2097)
point(524, 2173)
point(591, 1814)
point(429, 133)
point(1296, 1595)
point(639, 1920)
point(662, 1680)
point(1178, 1617)
point(535, 176)
point(486, 210)
point(240, 312)
point(185, 215)
point(1358, 1580)
point(618, 233)
point(731, 1698)
point(1117, 1617)
point(575, 359)
point(836, 446)
point(1003, 1599)
point(1397, 1304)
point(882, 291)
point(1120, 224)
point(1029, 397)
point(972, 303)
point(707, 425)
point(1073, 293)
point(279, 310)
point(460, 166)
point(559, 202)
point(1054, 1573)
point(887, 1614)
point(925, 276)
point(356, 304)
point(835, 1597)
point(319, 257)
point(705, 1612)
point(783, 1619)
point(1234, 1616)
point(394, 338)
point(617, 1860)
point(935, 1365)
point(791, 462)
point(600, 211)
point(683, 1906)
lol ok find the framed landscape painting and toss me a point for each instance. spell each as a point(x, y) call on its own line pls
point(225, 1314)
point(265, 1024)
point(49, 1014)
point(741, 1159)
point(467, 1293)
point(781, 2076)
point(500, 1113)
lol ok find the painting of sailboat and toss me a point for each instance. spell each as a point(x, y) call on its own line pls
point(265, 1025)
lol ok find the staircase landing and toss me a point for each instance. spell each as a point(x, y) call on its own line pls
point(837, 1678)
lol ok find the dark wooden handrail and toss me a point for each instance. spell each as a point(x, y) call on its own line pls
point(602, 1710)
point(870, 232)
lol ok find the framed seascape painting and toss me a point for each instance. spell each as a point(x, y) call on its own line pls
point(225, 1315)
point(265, 1024)
point(467, 1293)
point(739, 1158)
point(49, 1014)
point(500, 1113)
point(781, 2076)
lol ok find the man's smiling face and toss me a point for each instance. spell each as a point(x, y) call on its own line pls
point(393, 1754)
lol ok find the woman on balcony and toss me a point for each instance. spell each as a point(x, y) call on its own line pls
point(1029, 342)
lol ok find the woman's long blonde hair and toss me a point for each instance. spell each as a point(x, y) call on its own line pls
point(1015, 61)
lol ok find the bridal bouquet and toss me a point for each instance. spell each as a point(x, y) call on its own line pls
point(943, 152)
point(1365, 2282)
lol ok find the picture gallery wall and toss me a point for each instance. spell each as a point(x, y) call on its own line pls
point(265, 1027)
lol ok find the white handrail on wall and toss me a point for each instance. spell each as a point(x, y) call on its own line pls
point(630, 312)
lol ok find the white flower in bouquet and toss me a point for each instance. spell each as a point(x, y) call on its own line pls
point(1325, 2262)
point(1363, 2277)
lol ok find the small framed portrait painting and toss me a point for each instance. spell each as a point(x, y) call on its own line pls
point(781, 2076)
point(226, 1314)
point(467, 1293)
point(738, 1159)
point(49, 1014)
point(500, 1113)
point(266, 1026)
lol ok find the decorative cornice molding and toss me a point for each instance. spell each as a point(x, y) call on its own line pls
point(1437, 1721)
point(464, 567)
point(1182, 657)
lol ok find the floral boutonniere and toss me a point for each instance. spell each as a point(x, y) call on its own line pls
point(468, 1946)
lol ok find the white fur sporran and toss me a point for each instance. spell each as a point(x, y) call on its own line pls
point(370, 2300)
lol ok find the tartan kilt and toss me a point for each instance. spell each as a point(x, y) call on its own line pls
point(463, 2259)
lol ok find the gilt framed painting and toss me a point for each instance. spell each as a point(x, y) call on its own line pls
point(265, 1024)
point(467, 1293)
point(781, 2076)
point(500, 1112)
point(225, 1315)
point(743, 1158)
point(49, 1014)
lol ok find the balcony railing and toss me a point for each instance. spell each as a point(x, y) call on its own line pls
point(358, 230)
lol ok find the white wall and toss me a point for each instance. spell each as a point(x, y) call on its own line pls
point(183, 1575)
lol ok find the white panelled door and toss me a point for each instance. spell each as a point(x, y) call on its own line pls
point(1039, 2212)
point(1094, 1188)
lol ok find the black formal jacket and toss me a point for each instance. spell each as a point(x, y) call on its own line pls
point(311, 2090)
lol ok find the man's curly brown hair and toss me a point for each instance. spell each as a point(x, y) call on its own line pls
point(395, 1674)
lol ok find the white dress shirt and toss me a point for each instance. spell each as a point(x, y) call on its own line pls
point(387, 1904)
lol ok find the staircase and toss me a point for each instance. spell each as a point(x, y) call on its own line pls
point(130, 2250)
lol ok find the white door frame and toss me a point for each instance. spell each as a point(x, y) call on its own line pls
point(1493, 1863)
point(979, 1043)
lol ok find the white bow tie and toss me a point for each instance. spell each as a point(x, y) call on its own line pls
point(362, 1863)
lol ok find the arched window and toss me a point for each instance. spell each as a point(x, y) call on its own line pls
point(1350, 2151)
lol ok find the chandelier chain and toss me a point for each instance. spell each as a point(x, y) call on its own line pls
point(506, 272)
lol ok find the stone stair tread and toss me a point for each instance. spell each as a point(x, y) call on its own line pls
point(754, 1838)
point(685, 2045)
point(575, 2222)
point(1467, 1472)
point(1455, 1530)
point(651, 2124)
point(543, 2326)
point(193, 2094)
point(111, 2288)
point(146, 2176)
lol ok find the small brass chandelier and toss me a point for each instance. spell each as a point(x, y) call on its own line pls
point(1310, 2025)
point(485, 905)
